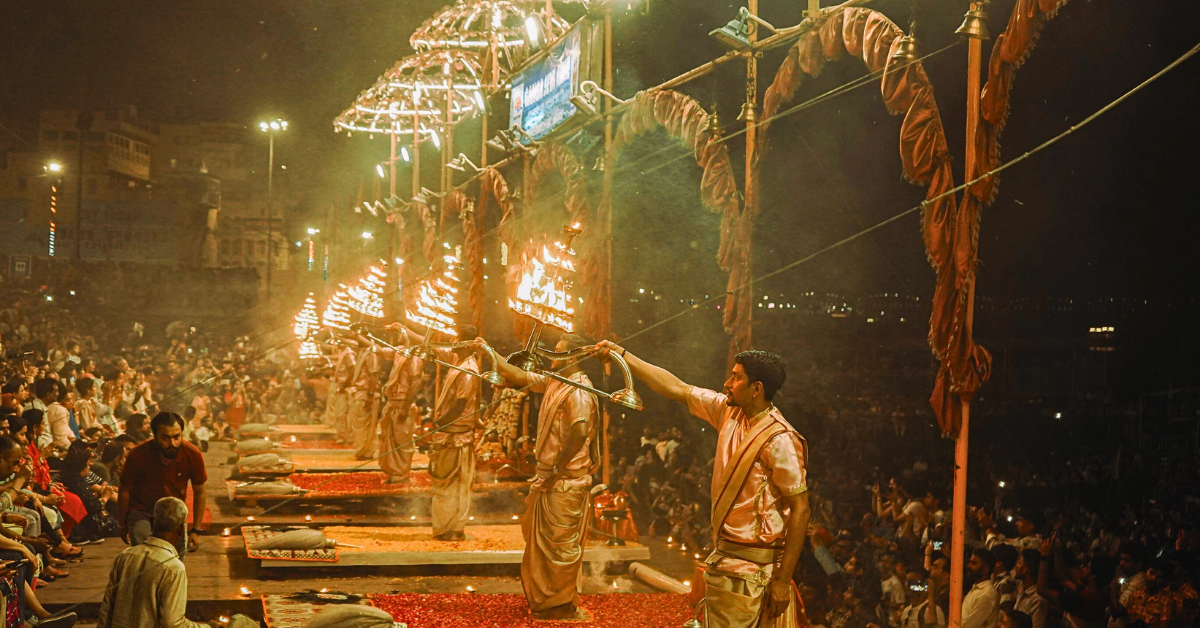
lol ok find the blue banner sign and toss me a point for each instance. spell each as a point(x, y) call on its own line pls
point(540, 100)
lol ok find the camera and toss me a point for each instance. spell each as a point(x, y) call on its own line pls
point(918, 586)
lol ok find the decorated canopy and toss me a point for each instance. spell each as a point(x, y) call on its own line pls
point(413, 96)
point(511, 29)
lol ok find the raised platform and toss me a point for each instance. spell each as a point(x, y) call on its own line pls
point(475, 610)
point(328, 461)
point(407, 546)
point(331, 488)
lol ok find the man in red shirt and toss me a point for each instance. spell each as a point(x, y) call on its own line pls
point(161, 467)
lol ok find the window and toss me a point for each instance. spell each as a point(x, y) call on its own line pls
point(260, 248)
point(49, 136)
point(70, 136)
point(237, 247)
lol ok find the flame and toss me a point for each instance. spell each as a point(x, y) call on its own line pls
point(337, 311)
point(306, 322)
point(544, 296)
point(366, 297)
point(436, 302)
point(309, 350)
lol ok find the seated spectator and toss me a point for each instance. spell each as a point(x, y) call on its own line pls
point(1158, 604)
point(1014, 619)
point(77, 476)
point(1027, 599)
point(981, 605)
point(112, 458)
point(92, 435)
point(1073, 587)
point(135, 427)
point(148, 584)
point(1130, 579)
point(57, 503)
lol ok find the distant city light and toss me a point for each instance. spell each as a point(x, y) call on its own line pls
point(367, 235)
point(380, 171)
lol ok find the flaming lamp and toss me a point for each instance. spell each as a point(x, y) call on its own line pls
point(337, 311)
point(366, 297)
point(437, 300)
point(306, 327)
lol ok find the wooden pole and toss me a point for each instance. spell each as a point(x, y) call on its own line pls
point(606, 227)
point(416, 154)
point(958, 519)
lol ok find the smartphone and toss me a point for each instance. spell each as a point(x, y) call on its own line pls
point(918, 586)
point(937, 545)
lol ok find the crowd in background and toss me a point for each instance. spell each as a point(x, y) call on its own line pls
point(1069, 523)
point(81, 380)
point(1066, 524)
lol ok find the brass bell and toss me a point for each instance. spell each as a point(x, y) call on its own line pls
point(906, 51)
point(714, 124)
point(975, 24)
point(747, 115)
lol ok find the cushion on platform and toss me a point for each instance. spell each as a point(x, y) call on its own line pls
point(351, 616)
point(269, 488)
point(256, 446)
point(294, 540)
point(260, 461)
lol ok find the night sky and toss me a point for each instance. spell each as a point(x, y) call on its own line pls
point(1110, 211)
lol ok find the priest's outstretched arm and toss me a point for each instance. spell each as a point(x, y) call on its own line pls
point(659, 380)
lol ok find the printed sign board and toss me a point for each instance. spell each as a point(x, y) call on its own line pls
point(540, 99)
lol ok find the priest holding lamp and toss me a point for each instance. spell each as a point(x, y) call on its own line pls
point(567, 454)
point(759, 491)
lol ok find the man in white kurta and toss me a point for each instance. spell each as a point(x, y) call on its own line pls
point(759, 490)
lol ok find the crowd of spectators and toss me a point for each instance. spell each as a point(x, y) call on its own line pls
point(80, 382)
point(1065, 526)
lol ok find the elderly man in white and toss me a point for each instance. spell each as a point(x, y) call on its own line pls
point(148, 584)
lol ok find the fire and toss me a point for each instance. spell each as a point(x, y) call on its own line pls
point(366, 297)
point(544, 296)
point(337, 311)
point(436, 302)
point(306, 322)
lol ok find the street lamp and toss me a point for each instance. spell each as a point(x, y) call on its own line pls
point(271, 127)
point(54, 170)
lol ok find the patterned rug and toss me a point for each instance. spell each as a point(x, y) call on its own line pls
point(254, 534)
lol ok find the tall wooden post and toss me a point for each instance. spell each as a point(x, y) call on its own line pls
point(607, 225)
point(975, 28)
point(416, 154)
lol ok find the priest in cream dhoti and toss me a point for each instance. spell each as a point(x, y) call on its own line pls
point(759, 492)
point(337, 402)
point(556, 514)
point(364, 403)
point(397, 423)
point(452, 444)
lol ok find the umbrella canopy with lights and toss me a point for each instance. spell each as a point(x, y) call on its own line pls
point(426, 92)
point(503, 32)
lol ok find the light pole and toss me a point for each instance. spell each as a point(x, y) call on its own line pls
point(271, 128)
point(54, 170)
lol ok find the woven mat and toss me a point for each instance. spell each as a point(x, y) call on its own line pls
point(254, 534)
